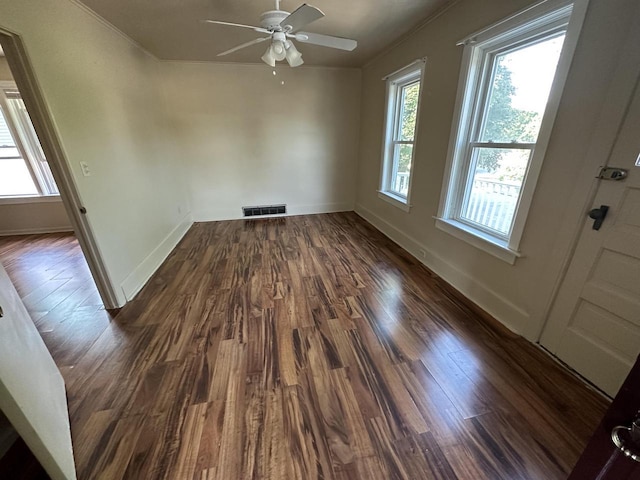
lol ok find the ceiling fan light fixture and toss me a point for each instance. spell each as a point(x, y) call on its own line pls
point(281, 25)
point(278, 51)
point(268, 57)
point(294, 57)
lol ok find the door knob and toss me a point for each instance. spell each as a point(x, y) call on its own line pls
point(598, 214)
point(627, 439)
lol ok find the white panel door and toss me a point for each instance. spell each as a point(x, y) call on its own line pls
point(32, 393)
point(594, 324)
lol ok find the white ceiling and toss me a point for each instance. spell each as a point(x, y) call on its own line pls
point(171, 29)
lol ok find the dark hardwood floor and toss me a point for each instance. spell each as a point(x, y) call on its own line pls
point(296, 348)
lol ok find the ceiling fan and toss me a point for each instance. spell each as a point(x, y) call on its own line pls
point(283, 27)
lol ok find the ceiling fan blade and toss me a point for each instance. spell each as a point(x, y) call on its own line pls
point(303, 15)
point(326, 40)
point(256, 29)
point(244, 45)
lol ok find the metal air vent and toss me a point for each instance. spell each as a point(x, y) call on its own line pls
point(264, 210)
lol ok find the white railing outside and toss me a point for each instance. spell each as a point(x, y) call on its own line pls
point(492, 204)
point(401, 183)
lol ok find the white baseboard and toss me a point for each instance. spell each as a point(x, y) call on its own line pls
point(213, 215)
point(36, 231)
point(510, 315)
point(142, 273)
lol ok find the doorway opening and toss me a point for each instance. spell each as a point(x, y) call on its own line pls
point(43, 186)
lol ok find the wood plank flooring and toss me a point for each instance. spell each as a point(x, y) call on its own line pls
point(307, 347)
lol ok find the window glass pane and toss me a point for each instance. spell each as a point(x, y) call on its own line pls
point(6, 140)
point(31, 143)
point(408, 110)
point(15, 178)
point(519, 91)
point(402, 168)
point(493, 188)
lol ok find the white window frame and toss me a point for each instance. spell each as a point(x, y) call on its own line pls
point(395, 82)
point(538, 20)
point(30, 151)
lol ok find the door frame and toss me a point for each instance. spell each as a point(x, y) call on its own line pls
point(617, 100)
point(31, 93)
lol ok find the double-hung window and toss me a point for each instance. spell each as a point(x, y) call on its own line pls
point(24, 171)
point(508, 95)
point(403, 101)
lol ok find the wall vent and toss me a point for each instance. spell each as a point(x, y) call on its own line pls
point(264, 210)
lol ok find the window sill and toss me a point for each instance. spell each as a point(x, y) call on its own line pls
point(30, 199)
point(395, 200)
point(478, 239)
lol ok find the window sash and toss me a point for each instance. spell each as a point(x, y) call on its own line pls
point(488, 67)
point(396, 86)
point(463, 192)
point(486, 59)
point(26, 140)
point(481, 54)
point(395, 164)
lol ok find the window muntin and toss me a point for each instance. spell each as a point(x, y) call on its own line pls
point(495, 155)
point(510, 105)
point(403, 98)
point(519, 89)
point(24, 170)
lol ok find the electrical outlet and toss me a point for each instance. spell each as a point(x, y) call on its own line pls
point(84, 166)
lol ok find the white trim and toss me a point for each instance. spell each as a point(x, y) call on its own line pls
point(36, 231)
point(395, 200)
point(553, 103)
point(407, 69)
point(478, 239)
point(399, 77)
point(19, 199)
point(47, 133)
point(470, 81)
point(580, 199)
point(526, 15)
point(496, 305)
point(143, 272)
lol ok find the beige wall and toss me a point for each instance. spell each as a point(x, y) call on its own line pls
point(33, 217)
point(164, 137)
point(5, 72)
point(517, 295)
point(222, 137)
point(249, 140)
point(104, 96)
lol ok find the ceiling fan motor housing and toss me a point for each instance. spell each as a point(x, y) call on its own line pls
point(271, 19)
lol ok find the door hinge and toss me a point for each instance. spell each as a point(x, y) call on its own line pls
point(612, 173)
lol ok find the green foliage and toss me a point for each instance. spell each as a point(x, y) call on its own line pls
point(407, 125)
point(504, 122)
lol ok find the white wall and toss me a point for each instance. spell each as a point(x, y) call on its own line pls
point(33, 217)
point(30, 216)
point(516, 295)
point(32, 393)
point(103, 93)
point(249, 140)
